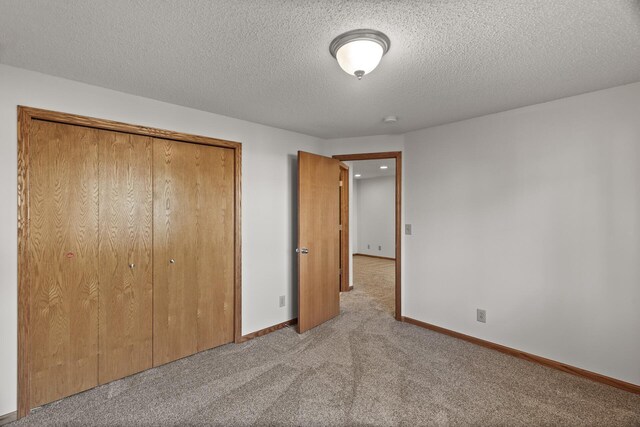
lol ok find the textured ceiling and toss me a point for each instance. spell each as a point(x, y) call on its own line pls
point(371, 168)
point(269, 61)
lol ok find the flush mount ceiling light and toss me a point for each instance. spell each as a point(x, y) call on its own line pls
point(359, 51)
point(358, 175)
point(384, 167)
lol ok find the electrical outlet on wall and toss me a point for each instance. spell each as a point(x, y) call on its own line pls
point(283, 300)
point(481, 315)
point(379, 247)
point(368, 246)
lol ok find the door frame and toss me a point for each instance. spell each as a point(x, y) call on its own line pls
point(25, 117)
point(344, 228)
point(397, 156)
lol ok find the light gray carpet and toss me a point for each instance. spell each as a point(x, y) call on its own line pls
point(362, 368)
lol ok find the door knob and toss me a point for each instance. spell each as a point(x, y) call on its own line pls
point(172, 261)
point(302, 251)
point(131, 265)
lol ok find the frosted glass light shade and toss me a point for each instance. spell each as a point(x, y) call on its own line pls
point(359, 57)
point(359, 51)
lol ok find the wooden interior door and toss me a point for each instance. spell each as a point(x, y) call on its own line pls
point(126, 287)
point(63, 260)
point(193, 248)
point(318, 240)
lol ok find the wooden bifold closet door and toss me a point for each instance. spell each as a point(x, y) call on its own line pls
point(130, 254)
point(193, 248)
point(126, 264)
point(91, 255)
point(63, 259)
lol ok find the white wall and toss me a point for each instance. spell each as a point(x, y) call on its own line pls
point(364, 144)
point(533, 215)
point(268, 204)
point(376, 224)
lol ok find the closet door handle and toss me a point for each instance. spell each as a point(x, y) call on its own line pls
point(172, 261)
point(132, 265)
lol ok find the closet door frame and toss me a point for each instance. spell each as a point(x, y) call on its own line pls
point(25, 117)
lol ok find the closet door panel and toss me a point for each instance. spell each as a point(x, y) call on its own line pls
point(174, 279)
point(193, 248)
point(126, 287)
point(214, 218)
point(63, 260)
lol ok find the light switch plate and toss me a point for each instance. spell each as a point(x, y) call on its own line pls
point(407, 229)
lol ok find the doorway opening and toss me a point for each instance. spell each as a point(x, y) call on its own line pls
point(370, 238)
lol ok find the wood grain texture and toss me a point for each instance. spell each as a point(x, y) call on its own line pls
point(24, 277)
point(26, 116)
point(318, 222)
point(237, 322)
point(368, 156)
point(214, 218)
point(268, 330)
point(397, 156)
point(633, 388)
point(8, 418)
point(398, 310)
point(125, 293)
point(194, 226)
point(63, 260)
point(344, 231)
point(92, 122)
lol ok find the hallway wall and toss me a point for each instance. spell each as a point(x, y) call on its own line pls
point(375, 201)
